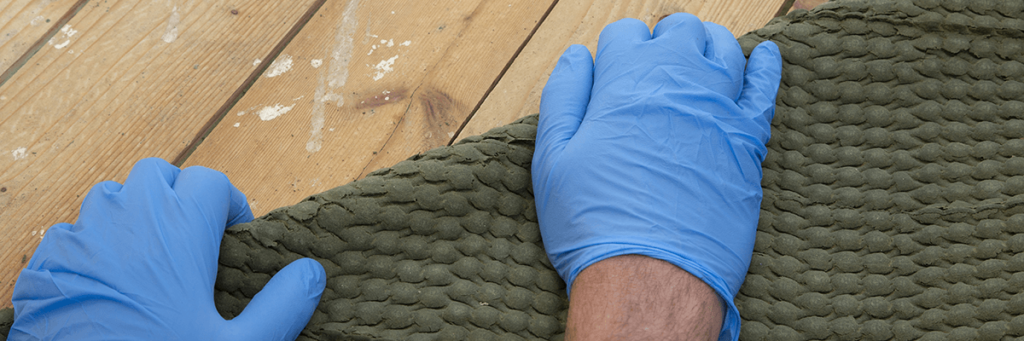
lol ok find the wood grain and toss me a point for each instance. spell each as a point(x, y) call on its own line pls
point(806, 4)
point(123, 80)
point(350, 115)
point(26, 24)
point(580, 22)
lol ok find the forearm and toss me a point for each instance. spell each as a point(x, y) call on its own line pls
point(641, 298)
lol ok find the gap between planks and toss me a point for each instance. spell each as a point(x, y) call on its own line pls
point(458, 48)
point(517, 94)
point(41, 41)
point(128, 91)
point(231, 101)
point(501, 75)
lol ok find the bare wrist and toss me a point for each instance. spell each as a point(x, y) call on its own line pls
point(636, 297)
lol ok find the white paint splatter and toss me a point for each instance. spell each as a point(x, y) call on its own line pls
point(37, 21)
point(240, 113)
point(389, 43)
point(171, 33)
point(19, 153)
point(237, 124)
point(269, 113)
point(451, 134)
point(280, 65)
point(334, 76)
point(3, 98)
point(67, 33)
point(342, 54)
point(32, 234)
point(256, 62)
point(316, 63)
point(384, 67)
point(332, 97)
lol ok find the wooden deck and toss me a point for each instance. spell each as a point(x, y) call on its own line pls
point(287, 98)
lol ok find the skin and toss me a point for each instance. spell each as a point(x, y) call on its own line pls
point(636, 297)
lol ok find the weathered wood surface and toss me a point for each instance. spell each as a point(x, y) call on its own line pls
point(370, 83)
point(806, 4)
point(25, 25)
point(123, 80)
point(108, 89)
point(580, 22)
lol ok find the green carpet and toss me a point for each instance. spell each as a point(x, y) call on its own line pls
point(893, 202)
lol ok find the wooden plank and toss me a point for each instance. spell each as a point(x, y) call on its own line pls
point(25, 25)
point(580, 22)
point(123, 80)
point(392, 78)
point(806, 4)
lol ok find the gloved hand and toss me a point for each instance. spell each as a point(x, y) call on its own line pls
point(657, 151)
point(141, 261)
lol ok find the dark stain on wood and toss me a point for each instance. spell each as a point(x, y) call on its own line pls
point(379, 98)
point(437, 107)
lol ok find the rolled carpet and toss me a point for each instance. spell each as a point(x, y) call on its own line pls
point(893, 202)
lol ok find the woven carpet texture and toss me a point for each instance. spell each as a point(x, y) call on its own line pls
point(893, 202)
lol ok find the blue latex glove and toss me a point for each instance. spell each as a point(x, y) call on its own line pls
point(141, 261)
point(657, 151)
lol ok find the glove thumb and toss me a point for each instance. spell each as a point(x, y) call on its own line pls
point(761, 85)
point(564, 100)
point(284, 306)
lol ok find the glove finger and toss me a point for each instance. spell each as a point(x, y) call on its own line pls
point(761, 85)
point(211, 203)
point(210, 189)
point(619, 35)
point(148, 175)
point(564, 100)
point(685, 30)
point(51, 245)
point(284, 306)
point(723, 50)
point(97, 202)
